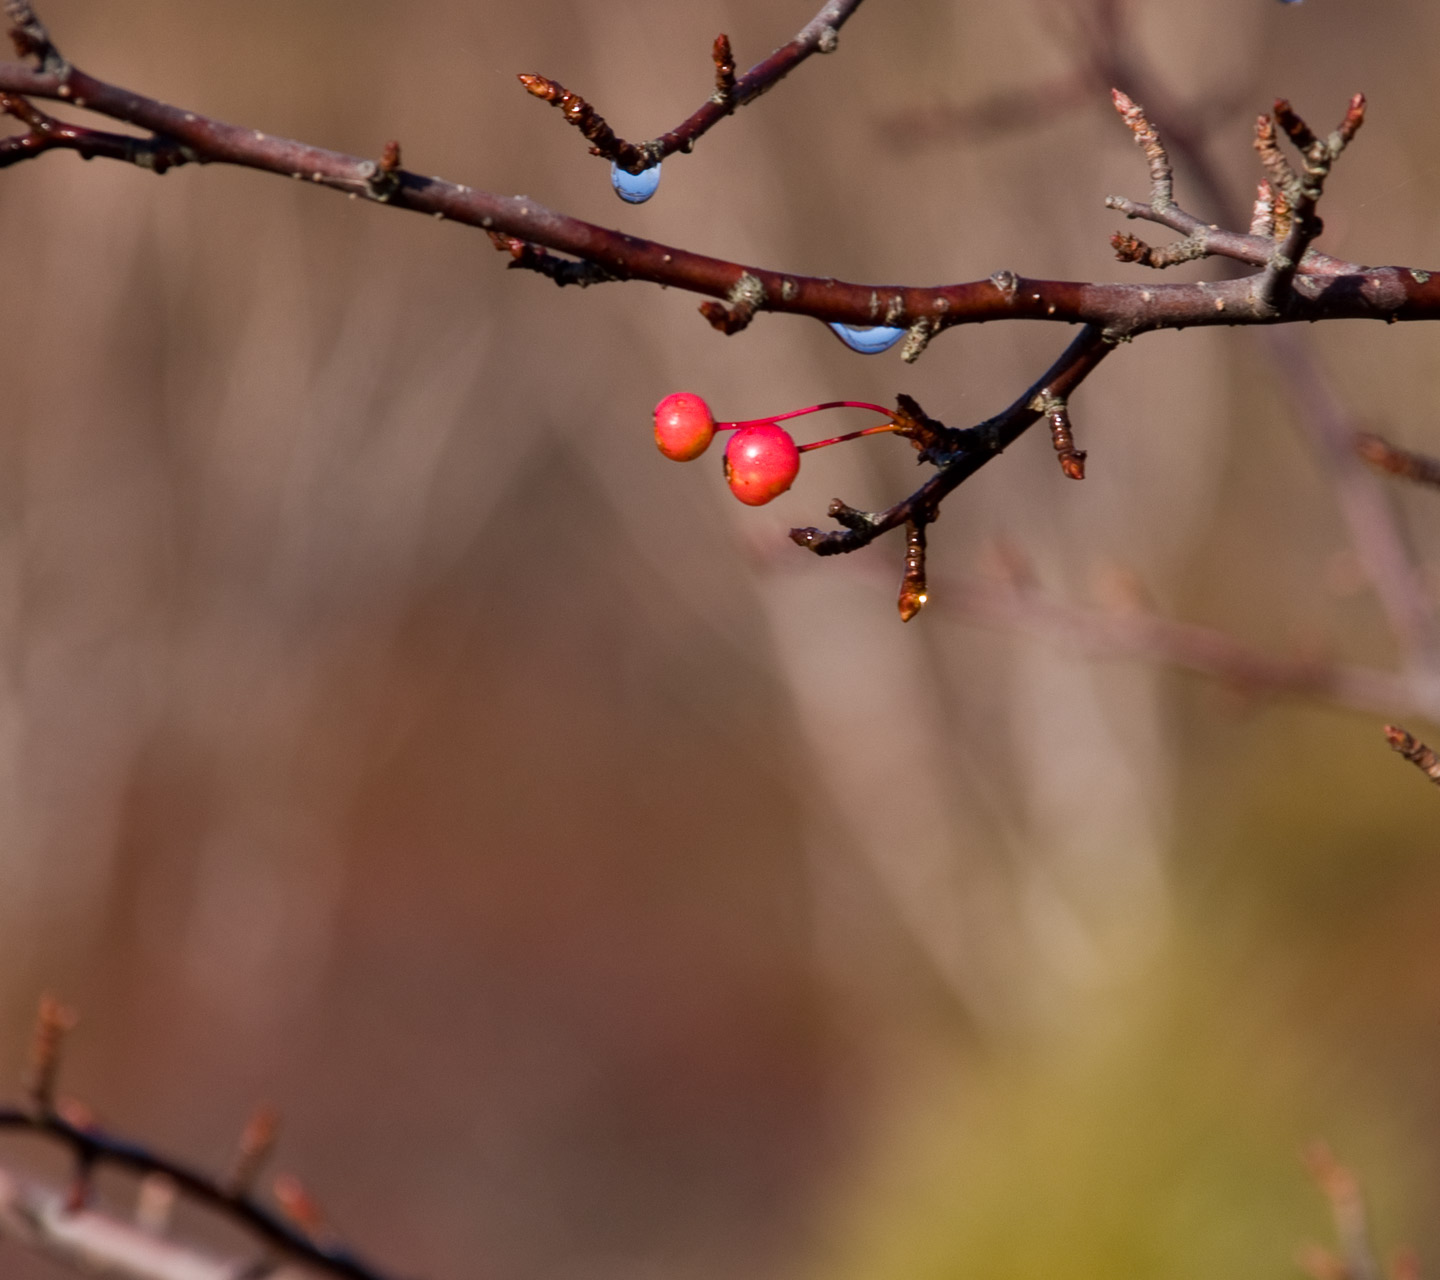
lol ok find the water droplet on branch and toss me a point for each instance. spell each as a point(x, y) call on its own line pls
point(868, 340)
point(634, 188)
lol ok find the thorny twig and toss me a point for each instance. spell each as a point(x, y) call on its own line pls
point(70, 1228)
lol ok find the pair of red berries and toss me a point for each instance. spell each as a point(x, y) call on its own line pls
point(761, 458)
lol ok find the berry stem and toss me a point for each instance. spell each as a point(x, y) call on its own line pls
point(853, 435)
point(814, 408)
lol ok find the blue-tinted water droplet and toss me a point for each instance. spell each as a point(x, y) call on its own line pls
point(634, 188)
point(868, 340)
point(1289, 1)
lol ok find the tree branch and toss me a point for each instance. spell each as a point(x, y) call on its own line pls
point(820, 35)
point(1323, 289)
point(1314, 287)
point(958, 455)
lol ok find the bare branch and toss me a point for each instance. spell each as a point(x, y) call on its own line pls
point(957, 455)
point(48, 134)
point(1324, 289)
point(820, 35)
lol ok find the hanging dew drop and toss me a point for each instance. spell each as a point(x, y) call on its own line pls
point(868, 340)
point(1289, 1)
point(634, 188)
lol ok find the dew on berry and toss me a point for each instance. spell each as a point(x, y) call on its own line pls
point(634, 188)
point(868, 340)
point(684, 426)
point(761, 462)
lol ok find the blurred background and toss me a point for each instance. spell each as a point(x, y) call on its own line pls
point(599, 885)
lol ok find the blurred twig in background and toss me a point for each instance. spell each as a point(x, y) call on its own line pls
point(72, 1229)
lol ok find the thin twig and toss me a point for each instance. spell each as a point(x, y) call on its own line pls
point(963, 452)
point(820, 35)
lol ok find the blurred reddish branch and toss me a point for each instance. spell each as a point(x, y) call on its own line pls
point(1408, 465)
point(1356, 1259)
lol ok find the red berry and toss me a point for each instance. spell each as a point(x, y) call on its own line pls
point(683, 426)
point(761, 462)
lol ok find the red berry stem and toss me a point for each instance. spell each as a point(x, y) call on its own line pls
point(798, 413)
point(853, 435)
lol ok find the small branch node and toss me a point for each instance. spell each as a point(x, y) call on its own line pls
point(1301, 191)
point(257, 1141)
point(300, 1207)
point(531, 257)
point(746, 296)
point(917, 338)
point(1415, 751)
point(1282, 177)
point(1262, 218)
point(933, 440)
point(851, 518)
point(1007, 282)
point(1384, 456)
point(1072, 460)
point(1162, 178)
point(154, 1203)
point(914, 593)
point(32, 40)
point(724, 59)
point(382, 179)
point(53, 1022)
point(602, 138)
point(1129, 248)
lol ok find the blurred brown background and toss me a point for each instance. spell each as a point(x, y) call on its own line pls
point(599, 885)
